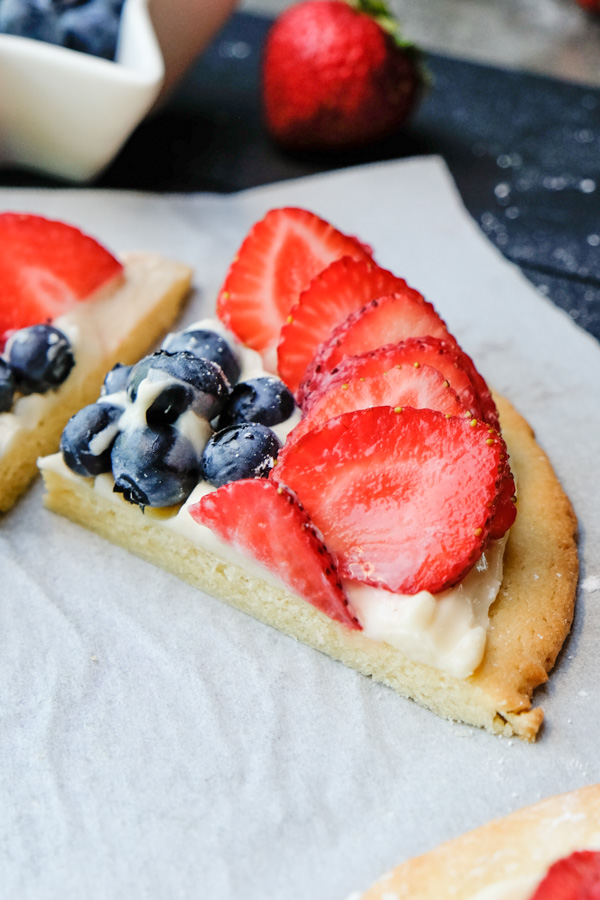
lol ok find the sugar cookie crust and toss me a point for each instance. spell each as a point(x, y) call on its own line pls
point(533, 600)
point(524, 843)
point(161, 285)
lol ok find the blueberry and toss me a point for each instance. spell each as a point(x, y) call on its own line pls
point(116, 380)
point(40, 357)
point(202, 385)
point(154, 467)
point(35, 19)
point(241, 451)
point(88, 437)
point(170, 404)
point(206, 344)
point(91, 27)
point(7, 387)
point(266, 400)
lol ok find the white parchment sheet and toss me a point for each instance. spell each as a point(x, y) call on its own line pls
point(155, 743)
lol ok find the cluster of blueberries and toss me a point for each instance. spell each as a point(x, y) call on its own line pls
point(140, 429)
point(90, 26)
point(36, 359)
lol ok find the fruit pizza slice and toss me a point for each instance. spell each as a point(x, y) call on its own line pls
point(378, 524)
point(69, 309)
point(548, 851)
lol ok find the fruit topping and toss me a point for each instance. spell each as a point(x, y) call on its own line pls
point(45, 268)
point(338, 75)
point(279, 257)
point(447, 358)
point(575, 877)
point(240, 451)
point(387, 320)
point(7, 386)
point(342, 288)
point(506, 508)
point(404, 500)
point(174, 382)
point(88, 438)
point(265, 400)
point(265, 521)
point(154, 466)
point(115, 380)
point(400, 386)
point(205, 344)
point(40, 358)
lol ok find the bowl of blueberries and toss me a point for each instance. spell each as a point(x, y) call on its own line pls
point(77, 76)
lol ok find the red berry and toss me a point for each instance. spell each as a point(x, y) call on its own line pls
point(447, 358)
point(590, 5)
point(340, 289)
point(576, 877)
point(333, 77)
point(45, 268)
point(263, 520)
point(404, 500)
point(387, 320)
point(279, 257)
point(400, 386)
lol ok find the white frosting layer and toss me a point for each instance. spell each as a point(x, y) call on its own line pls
point(521, 888)
point(448, 630)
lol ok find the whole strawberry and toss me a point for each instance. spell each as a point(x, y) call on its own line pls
point(591, 5)
point(337, 74)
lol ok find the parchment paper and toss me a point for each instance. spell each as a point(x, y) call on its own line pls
point(155, 743)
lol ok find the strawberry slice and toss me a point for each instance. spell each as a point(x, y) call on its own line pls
point(266, 521)
point(422, 388)
point(506, 509)
point(445, 357)
point(278, 259)
point(45, 268)
point(387, 320)
point(404, 500)
point(575, 877)
point(343, 287)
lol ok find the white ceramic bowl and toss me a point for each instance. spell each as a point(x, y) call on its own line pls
point(67, 113)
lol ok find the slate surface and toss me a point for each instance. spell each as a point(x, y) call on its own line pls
point(523, 149)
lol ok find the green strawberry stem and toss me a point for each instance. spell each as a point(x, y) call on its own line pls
point(380, 12)
point(385, 18)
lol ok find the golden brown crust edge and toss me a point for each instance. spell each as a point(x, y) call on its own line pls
point(532, 615)
point(524, 843)
point(497, 697)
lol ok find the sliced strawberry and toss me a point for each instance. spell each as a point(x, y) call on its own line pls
point(262, 519)
point(403, 499)
point(446, 357)
point(575, 877)
point(278, 259)
point(387, 320)
point(506, 508)
point(422, 388)
point(45, 268)
point(343, 287)
point(488, 405)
